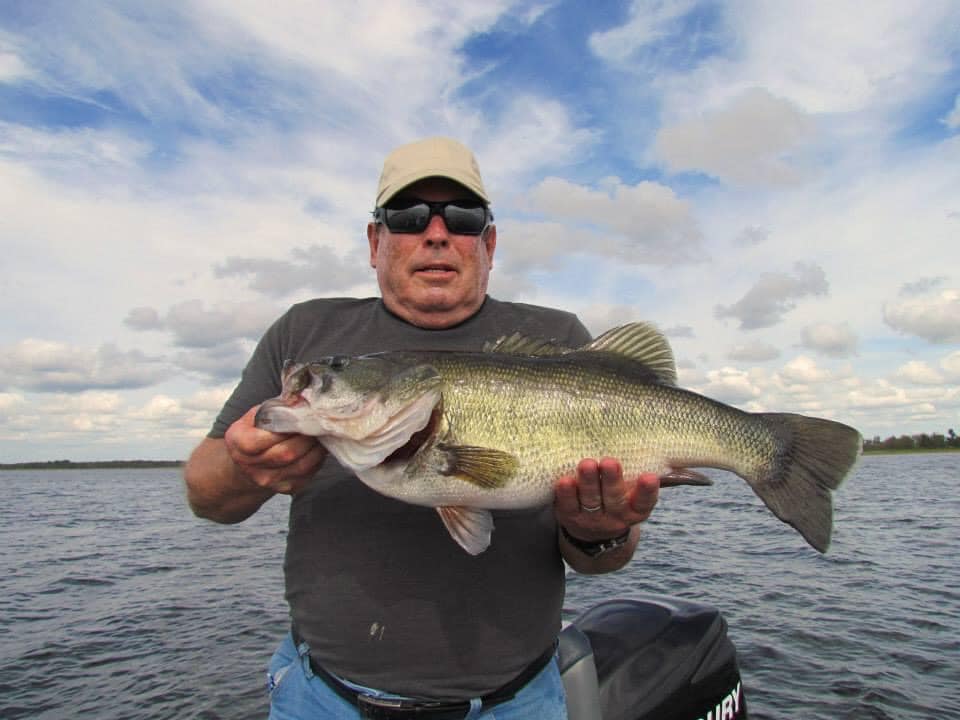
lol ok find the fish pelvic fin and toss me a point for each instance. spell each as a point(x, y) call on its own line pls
point(814, 458)
point(643, 343)
point(484, 467)
point(470, 527)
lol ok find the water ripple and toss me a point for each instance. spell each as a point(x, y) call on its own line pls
point(129, 610)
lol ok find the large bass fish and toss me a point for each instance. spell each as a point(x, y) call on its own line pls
point(467, 432)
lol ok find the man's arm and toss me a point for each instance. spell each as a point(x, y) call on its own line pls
point(228, 480)
point(598, 504)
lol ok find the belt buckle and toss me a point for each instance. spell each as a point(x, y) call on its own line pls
point(381, 708)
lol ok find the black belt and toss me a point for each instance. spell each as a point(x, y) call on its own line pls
point(395, 709)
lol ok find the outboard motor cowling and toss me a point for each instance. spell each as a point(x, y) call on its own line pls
point(656, 658)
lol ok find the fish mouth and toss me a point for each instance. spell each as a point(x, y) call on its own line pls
point(418, 439)
point(283, 414)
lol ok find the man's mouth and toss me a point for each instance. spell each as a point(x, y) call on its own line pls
point(435, 269)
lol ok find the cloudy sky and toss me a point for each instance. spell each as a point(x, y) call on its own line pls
point(776, 185)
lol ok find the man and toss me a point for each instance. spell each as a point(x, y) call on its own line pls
point(390, 618)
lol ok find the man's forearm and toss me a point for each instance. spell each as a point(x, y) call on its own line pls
point(216, 488)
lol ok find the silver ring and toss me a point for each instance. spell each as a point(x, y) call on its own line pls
point(591, 509)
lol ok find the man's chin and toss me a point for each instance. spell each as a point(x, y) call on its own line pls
point(440, 310)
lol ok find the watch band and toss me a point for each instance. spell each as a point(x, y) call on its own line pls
point(596, 547)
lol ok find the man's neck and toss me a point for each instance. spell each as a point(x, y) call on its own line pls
point(433, 320)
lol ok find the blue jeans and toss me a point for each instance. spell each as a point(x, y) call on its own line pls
point(297, 694)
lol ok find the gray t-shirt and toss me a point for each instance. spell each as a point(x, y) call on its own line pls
point(377, 588)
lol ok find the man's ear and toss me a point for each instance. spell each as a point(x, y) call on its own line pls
point(373, 238)
point(490, 240)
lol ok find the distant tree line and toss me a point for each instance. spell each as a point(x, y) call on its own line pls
point(92, 465)
point(924, 441)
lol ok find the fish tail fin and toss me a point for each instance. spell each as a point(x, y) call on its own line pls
point(814, 457)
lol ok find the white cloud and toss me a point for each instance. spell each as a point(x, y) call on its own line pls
point(917, 372)
point(833, 57)
point(11, 402)
point(730, 385)
point(527, 137)
point(207, 400)
point(195, 326)
point(94, 402)
point(951, 366)
point(645, 223)
point(879, 394)
point(159, 407)
point(803, 370)
point(833, 339)
point(748, 141)
point(143, 318)
point(751, 235)
point(313, 268)
point(933, 318)
point(754, 352)
point(923, 285)
point(51, 366)
point(852, 74)
point(952, 120)
point(12, 68)
point(649, 22)
point(95, 151)
point(773, 294)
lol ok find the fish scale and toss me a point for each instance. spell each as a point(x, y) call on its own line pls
point(552, 417)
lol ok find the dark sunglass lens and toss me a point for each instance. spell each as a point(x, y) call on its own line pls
point(410, 219)
point(465, 219)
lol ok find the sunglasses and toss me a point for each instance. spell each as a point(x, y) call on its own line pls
point(462, 217)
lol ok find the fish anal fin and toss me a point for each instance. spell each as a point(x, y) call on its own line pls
point(484, 467)
point(684, 476)
point(470, 527)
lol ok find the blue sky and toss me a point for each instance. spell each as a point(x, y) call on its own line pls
point(776, 185)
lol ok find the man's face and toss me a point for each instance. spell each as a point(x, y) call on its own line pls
point(433, 279)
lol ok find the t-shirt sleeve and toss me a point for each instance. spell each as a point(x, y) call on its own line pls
point(260, 379)
point(577, 333)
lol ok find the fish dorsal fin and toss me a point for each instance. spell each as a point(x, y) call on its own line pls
point(641, 342)
point(520, 344)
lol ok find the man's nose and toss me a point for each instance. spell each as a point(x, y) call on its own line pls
point(436, 234)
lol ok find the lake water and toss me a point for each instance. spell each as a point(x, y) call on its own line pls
point(116, 603)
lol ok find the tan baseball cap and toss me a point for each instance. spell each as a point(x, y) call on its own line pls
point(431, 157)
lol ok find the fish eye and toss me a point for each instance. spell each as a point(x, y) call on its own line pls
point(339, 362)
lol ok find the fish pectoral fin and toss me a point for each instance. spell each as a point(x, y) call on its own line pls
point(470, 527)
point(485, 467)
point(684, 476)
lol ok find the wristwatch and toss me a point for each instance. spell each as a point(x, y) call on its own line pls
point(596, 547)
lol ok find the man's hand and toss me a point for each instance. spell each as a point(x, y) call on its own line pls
point(598, 504)
point(228, 479)
point(280, 463)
